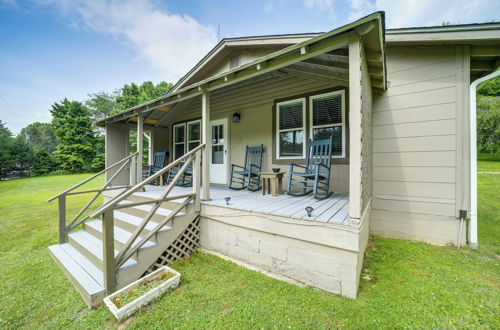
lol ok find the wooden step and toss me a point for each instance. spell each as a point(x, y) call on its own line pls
point(147, 196)
point(129, 222)
point(142, 210)
point(91, 247)
point(84, 275)
point(122, 236)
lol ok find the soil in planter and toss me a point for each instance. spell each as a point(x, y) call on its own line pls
point(141, 289)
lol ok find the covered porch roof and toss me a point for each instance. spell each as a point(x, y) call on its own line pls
point(312, 57)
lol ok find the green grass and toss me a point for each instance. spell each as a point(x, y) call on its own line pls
point(405, 284)
point(488, 162)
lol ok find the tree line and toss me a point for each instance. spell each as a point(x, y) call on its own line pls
point(70, 143)
point(488, 117)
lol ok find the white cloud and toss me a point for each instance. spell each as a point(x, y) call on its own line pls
point(268, 7)
point(410, 13)
point(169, 42)
point(322, 5)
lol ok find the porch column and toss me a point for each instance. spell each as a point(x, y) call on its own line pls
point(140, 137)
point(116, 148)
point(206, 134)
point(354, 128)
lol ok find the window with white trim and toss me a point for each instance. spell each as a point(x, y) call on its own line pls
point(187, 136)
point(193, 134)
point(327, 113)
point(179, 147)
point(290, 132)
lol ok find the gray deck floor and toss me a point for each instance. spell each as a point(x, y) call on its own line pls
point(334, 209)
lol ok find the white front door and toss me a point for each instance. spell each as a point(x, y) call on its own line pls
point(218, 152)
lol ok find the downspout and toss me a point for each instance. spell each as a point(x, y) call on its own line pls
point(473, 244)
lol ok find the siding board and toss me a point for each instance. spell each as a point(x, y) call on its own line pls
point(430, 112)
point(424, 128)
point(415, 174)
point(444, 209)
point(431, 158)
point(433, 81)
point(407, 57)
point(422, 143)
point(417, 189)
point(422, 73)
point(417, 99)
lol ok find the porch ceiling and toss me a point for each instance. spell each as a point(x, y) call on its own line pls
point(308, 57)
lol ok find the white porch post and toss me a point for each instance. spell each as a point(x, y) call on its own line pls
point(140, 124)
point(354, 129)
point(206, 139)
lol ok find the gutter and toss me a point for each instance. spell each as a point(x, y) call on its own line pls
point(473, 243)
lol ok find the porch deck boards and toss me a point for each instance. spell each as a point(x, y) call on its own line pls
point(334, 209)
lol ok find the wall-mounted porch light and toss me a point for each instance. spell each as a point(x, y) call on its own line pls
point(236, 117)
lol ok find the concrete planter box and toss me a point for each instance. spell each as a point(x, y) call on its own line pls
point(129, 309)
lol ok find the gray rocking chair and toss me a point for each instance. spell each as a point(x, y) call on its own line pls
point(248, 176)
point(186, 180)
point(316, 171)
point(160, 160)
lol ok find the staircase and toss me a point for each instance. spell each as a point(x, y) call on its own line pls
point(129, 235)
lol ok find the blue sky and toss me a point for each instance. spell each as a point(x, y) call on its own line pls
point(51, 49)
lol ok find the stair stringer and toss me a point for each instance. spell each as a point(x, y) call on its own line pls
point(148, 256)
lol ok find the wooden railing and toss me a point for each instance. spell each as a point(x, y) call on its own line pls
point(78, 219)
point(112, 263)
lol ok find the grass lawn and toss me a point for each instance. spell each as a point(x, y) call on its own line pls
point(488, 162)
point(405, 284)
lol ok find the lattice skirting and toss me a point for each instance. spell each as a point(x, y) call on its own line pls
point(182, 247)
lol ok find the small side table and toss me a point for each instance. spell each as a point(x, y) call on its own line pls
point(274, 182)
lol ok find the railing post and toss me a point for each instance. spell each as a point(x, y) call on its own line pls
point(197, 180)
point(108, 252)
point(133, 171)
point(62, 219)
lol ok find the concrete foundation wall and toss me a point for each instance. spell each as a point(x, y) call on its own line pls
point(327, 257)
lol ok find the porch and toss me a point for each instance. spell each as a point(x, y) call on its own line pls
point(320, 88)
point(332, 210)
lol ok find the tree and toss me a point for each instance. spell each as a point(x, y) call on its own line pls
point(72, 126)
point(490, 88)
point(132, 95)
point(6, 158)
point(23, 157)
point(102, 104)
point(39, 136)
point(43, 163)
point(488, 124)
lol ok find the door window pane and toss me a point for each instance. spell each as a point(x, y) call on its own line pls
point(217, 134)
point(218, 154)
